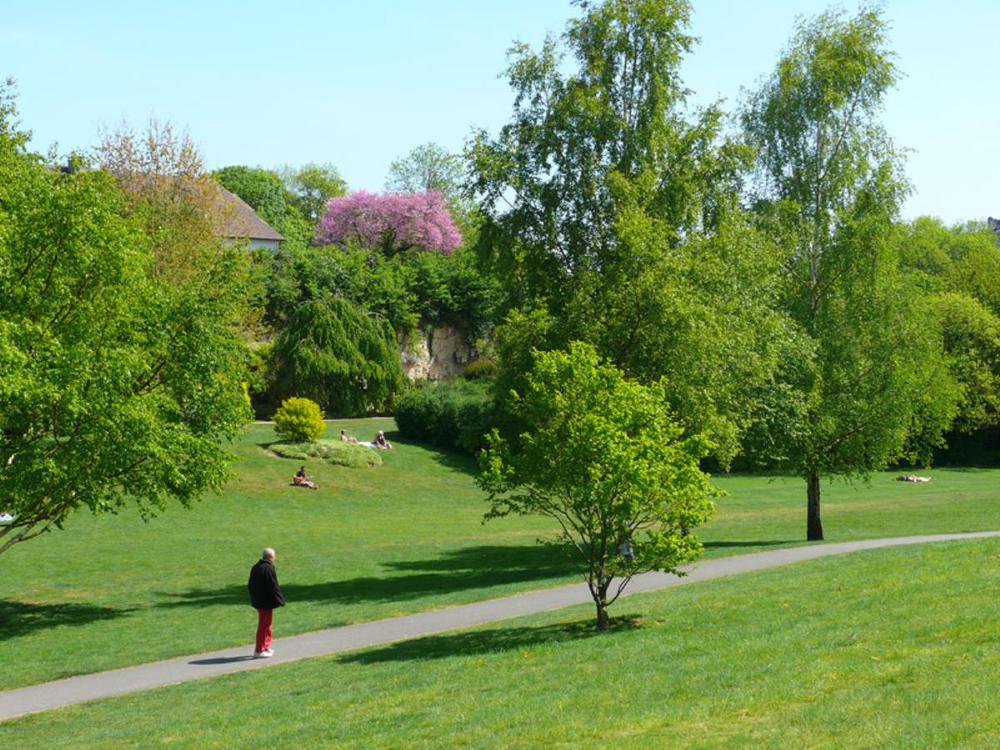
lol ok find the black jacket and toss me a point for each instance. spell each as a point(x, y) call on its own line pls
point(265, 593)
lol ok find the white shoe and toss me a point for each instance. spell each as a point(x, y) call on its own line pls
point(266, 653)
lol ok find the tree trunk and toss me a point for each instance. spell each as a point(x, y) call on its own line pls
point(603, 621)
point(814, 526)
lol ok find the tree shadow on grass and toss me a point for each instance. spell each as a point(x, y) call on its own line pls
point(458, 570)
point(461, 462)
point(738, 544)
point(22, 618)
point(491, 641)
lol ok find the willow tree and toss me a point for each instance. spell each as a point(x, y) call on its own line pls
point(872, 386)
point(604, 199)
point(332, 352)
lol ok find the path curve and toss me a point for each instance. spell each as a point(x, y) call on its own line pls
point(90, 687)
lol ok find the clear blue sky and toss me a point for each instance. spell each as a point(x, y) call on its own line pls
point(361, 83)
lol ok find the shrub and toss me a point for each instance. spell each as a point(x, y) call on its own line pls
point(485, 367)
point(453, 415)
point(332, 452)
point(299, 420)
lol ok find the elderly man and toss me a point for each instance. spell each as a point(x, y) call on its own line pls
point(265, 596)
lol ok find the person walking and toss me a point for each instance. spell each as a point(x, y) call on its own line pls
point(265, 597)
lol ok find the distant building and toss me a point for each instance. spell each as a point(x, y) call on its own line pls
point(993, 224)
point(237, 221)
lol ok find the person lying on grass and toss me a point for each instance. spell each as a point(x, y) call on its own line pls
point(345, 438)
point(300, 479)
point(381, 443)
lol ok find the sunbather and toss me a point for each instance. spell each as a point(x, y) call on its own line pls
point(301, 480)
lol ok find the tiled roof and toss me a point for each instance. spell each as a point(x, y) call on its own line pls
point(235, 219)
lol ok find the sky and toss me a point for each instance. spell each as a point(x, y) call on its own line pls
point(359, 84)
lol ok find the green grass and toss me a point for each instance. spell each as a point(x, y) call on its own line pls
point(891, 648)
point(403, 537)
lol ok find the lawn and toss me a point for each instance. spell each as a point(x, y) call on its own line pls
point(371, 543)
point(891, 648)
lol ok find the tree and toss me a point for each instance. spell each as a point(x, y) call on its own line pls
point(168, 192)
point(117, 386)
point(602, 457)
point(959, 269)
point(610, 208)
point(311, 186)
point(829, 185)
point(333, 353)
point(392, 223)
point(427, 168)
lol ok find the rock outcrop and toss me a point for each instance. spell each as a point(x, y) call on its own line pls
point(435, 354)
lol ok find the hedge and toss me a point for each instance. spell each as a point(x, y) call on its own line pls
point(454, 415)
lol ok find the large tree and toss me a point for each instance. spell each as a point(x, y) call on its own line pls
point(334, 353)
point(603, 457)
point(959, 270)
point(427, 168)
point(872, 378)
point(119, 383)
point(615, 211)
point(311, 186)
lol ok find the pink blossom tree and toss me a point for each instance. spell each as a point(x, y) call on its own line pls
point(393, 222)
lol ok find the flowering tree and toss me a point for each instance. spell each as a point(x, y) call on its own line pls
point(393, 222)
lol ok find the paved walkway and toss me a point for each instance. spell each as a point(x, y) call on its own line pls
point(89, 687)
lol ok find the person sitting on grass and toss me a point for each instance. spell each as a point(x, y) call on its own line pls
point(381, 443)
point(300, 480)
point(345, 438)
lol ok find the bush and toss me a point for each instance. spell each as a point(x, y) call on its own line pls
point(453, 415)
point(299, 420)
point(331, 451)
point(480, 368)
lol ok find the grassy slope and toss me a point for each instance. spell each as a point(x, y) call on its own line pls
point(889, 648)
point(369, 544)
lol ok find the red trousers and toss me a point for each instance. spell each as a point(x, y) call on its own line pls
point(263, 629)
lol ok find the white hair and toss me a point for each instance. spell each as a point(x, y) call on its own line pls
point(267, 554)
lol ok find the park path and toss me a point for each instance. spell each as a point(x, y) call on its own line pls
point(90, 687)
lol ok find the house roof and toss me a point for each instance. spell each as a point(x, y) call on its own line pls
point(237, 220)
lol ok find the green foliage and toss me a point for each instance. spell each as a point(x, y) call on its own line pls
point(959, 269)
point(623, 227)
point(455, 415)
point(299, 420)
point(117, 386)
point(408, 289)
point(311, 186)
point(484, 367)
point(333, 452)
point(874, 385)
point(427, 167)
point(972, 340)
point(603, 457)
point(334, 353)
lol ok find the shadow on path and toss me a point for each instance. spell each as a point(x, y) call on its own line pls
point(221, 660)
point(21, 618)
point(459, 570)
point(489, 641)
point(740, 544)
